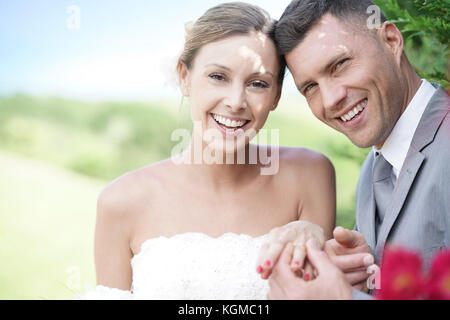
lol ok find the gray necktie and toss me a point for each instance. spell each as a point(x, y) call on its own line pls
point(382, 188)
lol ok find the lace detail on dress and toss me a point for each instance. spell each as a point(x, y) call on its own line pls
point(196, 266)
point(105, 293)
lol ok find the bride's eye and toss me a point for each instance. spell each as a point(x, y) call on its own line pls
point(217, 76)
point(259, 84)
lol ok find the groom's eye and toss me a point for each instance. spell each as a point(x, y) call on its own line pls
point(340, 64)
point(308, 88)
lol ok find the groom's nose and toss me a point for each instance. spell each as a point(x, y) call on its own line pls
point(333, 94)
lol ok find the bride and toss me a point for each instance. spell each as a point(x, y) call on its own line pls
point(188, 229)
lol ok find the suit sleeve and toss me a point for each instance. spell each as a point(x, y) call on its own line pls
point(359, 295)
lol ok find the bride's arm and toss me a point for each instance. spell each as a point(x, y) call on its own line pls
point(318, 199)
point(112, 234)
point(319, 206)
point(317, 214)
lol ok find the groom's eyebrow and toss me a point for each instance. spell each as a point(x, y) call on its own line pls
point(333, 61)
point(330, 63)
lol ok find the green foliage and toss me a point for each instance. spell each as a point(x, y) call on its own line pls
point(100, 140)
point(425, 27)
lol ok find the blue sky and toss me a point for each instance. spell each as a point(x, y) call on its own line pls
point(122, 50)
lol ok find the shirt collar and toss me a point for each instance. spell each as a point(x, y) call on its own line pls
point(396, 146)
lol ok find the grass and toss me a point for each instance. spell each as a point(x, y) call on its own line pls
point(47, 218)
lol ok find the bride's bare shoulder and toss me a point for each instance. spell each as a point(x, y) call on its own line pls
point(305, 162)
point(132, 191)
point(304, 156)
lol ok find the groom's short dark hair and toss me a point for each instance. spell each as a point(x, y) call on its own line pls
point(301, 15)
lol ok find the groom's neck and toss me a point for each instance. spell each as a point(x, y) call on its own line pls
point(412, 83)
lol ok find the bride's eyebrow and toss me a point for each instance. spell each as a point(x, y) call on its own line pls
point(257, 73)
point(217, 65)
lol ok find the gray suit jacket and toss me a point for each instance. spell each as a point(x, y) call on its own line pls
point(418, 217)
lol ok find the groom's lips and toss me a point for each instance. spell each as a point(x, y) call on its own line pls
point(349, 108)
point(356, 120)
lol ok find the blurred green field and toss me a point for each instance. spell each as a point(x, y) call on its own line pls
point(58, 154)
point(47, 218)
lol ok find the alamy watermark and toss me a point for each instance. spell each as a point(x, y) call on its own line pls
point(73, 21)
point(374, 280)
point(374, 20)
point(73, 282)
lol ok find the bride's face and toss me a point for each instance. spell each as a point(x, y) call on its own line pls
point(232, 86)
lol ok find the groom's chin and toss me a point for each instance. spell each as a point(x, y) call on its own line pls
point(362, 145)
point(362, 142)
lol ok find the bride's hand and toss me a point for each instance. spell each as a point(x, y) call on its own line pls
point(296, 232)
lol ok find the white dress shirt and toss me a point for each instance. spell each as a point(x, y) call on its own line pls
point(396, 146)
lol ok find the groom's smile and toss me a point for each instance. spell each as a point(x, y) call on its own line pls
point(353, 111)
point(353, 115)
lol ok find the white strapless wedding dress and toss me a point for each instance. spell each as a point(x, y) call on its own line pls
point(193, 266)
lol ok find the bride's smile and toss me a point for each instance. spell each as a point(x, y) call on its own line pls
point(230, 125)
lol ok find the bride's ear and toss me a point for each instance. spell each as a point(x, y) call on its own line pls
point(183, 78)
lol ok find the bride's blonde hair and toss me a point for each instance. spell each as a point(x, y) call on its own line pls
point(225, 20)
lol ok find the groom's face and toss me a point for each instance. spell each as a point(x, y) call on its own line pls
point(350, 79)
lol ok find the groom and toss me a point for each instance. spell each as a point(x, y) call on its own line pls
point(358, 80)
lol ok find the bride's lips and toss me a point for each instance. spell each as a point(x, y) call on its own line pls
point(230, 131)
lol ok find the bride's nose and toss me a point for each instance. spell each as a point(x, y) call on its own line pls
point(235, 98)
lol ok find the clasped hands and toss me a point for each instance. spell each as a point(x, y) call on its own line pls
point(300, 264)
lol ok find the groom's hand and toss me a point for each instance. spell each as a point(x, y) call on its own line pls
point(330, 283)
point(348, 250)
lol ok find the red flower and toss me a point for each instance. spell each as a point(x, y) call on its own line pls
point(438, 286)
point(401, 275)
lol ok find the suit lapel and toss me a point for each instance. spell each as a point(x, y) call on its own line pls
point(436, 110)
point(404, 183)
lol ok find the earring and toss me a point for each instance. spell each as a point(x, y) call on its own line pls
point(185, 91)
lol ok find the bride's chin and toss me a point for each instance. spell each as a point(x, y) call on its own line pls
point(223, 153)
point(227, 148)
